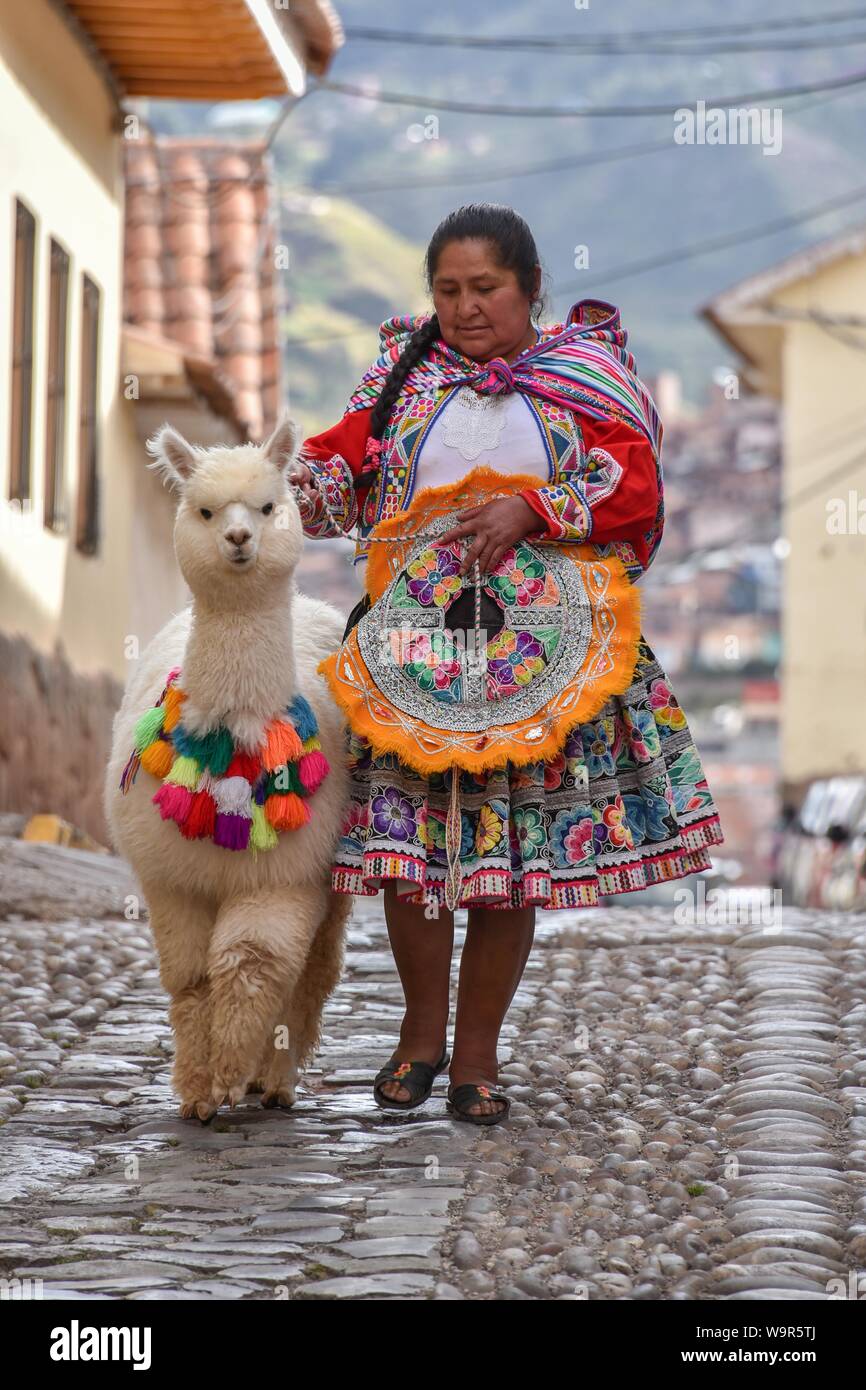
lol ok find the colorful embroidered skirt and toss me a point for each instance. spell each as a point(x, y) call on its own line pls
point(624, 805)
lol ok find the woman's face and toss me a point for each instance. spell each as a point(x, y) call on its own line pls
point(481, 308)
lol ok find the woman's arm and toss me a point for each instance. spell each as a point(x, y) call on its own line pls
point(614, 497)
point(334, 458)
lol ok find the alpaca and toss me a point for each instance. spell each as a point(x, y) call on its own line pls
point(250, 944)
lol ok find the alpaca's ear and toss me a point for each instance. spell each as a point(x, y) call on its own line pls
point(282, 445)
point(171, 456)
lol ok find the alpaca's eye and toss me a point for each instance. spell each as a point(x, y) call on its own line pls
point(267, 508)
point(205, 513)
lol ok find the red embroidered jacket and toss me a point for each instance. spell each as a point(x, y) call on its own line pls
point(614, 500)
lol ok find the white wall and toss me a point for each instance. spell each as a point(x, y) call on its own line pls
point(824, 608)
point(62, 155)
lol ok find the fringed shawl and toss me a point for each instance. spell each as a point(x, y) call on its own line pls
point(584, 365)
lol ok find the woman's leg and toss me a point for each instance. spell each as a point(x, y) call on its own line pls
point(495, 952)
point(422, 949)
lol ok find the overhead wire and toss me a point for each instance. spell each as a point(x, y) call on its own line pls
point(668, 108)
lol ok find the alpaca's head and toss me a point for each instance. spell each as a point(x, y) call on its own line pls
point(237, 531)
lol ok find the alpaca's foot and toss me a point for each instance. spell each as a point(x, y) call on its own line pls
point(283, 1096)
point(234, 1072)
point(229, 1088)
point(281, 1079)
point(192, 1083)
point(229, 1095)
point(203, 1110)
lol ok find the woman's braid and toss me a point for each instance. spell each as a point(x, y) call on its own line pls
point(414, 352)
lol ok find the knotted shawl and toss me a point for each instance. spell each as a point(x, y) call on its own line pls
point(584, 365)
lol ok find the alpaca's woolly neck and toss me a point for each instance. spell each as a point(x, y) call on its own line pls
point(239, 664)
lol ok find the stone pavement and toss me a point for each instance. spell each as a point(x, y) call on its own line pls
point(688, 1119)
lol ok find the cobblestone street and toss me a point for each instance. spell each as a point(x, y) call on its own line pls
point(688, 1119)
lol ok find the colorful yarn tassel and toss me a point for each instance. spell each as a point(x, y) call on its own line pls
point(129, 773)
point(232, 832)
point(282, 745)
point(174, 802)
point(173, 700)
point(158, 757)
point(201, 821)
point(303, 718)
point(236, 796)
point(148, 727)
point(247, 765)
point(286, 812)
point(263, 836)
point(214, 750)
point(232, 796)
point(185, 772)
point(313, 768)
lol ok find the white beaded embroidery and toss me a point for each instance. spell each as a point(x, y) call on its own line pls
point(472, 422)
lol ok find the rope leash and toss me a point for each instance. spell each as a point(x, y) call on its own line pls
point(454, 817)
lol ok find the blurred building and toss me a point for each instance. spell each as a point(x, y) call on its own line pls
point(139, 287)
point(711, 604)
point(799, 330)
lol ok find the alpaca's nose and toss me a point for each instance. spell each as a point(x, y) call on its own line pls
point(238, 535)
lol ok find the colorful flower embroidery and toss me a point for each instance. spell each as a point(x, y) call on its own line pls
point(597, 741)
point(513, 659)
point(529, 827)
point(435, 577)
point(523, 579)
point(393, 814)
point(553, 772)
point(641, 740)
point(491, 827)
point(558, 834)
point(355, 821)
point(666, 706)
point(467, 835)
point(572, 834)
point(615, 823)
point(648, 815)
point(431, 661)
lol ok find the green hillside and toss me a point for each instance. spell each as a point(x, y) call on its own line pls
point(389, 172)
point(348, 273)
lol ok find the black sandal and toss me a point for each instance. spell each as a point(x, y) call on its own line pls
point(417, 1077)
point(461, 1097)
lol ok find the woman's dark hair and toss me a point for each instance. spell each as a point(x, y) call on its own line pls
point(514, 249)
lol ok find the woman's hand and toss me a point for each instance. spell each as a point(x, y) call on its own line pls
point(302, 477)
point(495, 525)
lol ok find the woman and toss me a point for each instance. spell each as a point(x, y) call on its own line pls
point(625, 803)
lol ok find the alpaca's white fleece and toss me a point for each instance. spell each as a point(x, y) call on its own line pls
point(248, 642)
point(156, 849)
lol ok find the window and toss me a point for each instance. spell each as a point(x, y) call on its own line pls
point(87, 520)
point(22, 354)
point(55, 413)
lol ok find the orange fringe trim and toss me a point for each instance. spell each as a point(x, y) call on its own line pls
point(384, 562)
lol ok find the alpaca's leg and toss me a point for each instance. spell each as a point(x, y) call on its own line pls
point(297, 1033)
point(277, 1071)
point(257, 954)
point(303, 1015)
point(182, 929)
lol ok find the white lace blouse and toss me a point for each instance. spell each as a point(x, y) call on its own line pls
point(474, 431)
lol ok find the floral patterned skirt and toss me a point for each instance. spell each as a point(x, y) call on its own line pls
point(624, 805)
